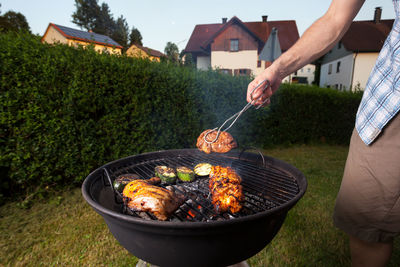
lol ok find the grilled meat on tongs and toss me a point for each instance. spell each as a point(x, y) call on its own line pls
point(225, 188)
point(223, 144)
point(143, 195)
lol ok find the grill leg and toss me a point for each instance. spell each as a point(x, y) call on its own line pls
point(142, 263)
point(240, 264)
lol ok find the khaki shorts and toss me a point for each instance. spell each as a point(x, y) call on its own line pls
point(368, 202)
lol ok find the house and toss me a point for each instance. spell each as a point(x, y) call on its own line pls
point(349, 63)
point(144, 52)
point(240, 48)
point(304, 75)
point(61, 34)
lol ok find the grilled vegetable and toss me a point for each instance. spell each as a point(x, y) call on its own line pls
point(202, 169)
point(166, 174)
point(185, 174)
point(122, 180)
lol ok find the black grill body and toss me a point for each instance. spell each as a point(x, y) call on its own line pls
point(271, 188)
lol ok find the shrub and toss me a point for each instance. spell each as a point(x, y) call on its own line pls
point(303, 114)
point(65, 111)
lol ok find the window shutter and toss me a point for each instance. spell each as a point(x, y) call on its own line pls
point(226, 45)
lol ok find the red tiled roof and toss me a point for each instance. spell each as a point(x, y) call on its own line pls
point(204, 33)
point(150, 51)
point(232, 21)
point(367, 36)
point(201, 34)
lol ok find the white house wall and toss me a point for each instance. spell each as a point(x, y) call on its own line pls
point(246, 59)
point(203, 63)
point(54, 36)
point(307, 71)
point(363, 66)
point(340, 80)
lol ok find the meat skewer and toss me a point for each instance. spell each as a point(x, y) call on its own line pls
point(143, 195)
point(225, 188)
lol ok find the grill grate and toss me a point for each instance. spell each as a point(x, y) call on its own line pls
point(264, 187)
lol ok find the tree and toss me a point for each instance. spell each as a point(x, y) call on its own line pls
point(120, 34)
point(13, 21)
point(135, 38)
point(87, 14)
point(92, 17)
point(186, 59)
point(105, 23)
point(172, 52)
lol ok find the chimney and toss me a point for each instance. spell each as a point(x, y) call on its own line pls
point(264, 18)
point(377, 15)
point(224, 20)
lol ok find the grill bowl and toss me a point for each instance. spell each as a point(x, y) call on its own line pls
point(186, 243)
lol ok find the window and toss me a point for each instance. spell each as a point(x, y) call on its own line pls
point(339, 45)
point(302, 70)
point(242, 72)
point(258, 63)
point(330, 69)
point(234, 45)
point(308, 70)
point(338, 67)
point(226, 71)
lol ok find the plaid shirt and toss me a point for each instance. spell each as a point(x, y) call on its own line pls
point(381, 99)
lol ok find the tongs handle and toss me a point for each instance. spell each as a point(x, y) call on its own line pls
point(236, 116)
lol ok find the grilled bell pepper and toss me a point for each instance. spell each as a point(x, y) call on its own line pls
point(185, 174)
point(166, 174)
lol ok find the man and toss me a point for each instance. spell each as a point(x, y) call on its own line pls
point(368, 204)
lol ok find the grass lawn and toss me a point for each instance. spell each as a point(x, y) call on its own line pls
point(65, 231)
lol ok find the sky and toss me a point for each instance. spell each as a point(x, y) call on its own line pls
point(162, 21)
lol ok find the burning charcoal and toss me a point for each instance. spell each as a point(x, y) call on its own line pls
point(180, 188)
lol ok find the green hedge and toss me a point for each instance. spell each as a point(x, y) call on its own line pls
point(303, 114)
point(65, 111)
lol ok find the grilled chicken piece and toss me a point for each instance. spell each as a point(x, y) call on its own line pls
point(225, 188)
point(142, 195)
point(223, 144)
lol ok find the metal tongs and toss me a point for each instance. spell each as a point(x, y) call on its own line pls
point(236, 116)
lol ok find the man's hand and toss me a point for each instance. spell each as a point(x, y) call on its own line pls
point(274, 82)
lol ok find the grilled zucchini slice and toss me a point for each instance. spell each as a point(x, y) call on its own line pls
point(122, 180)
point(185, 174)
point(166, 174)
point(202, 169)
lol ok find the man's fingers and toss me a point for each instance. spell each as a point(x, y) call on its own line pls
point(252, 93)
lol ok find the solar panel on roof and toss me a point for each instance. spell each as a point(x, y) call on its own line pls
point(87, 35)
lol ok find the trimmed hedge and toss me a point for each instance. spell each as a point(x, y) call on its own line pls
point(303, 114)
point(65, 111)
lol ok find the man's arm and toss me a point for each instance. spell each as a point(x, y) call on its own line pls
point(319, 38)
